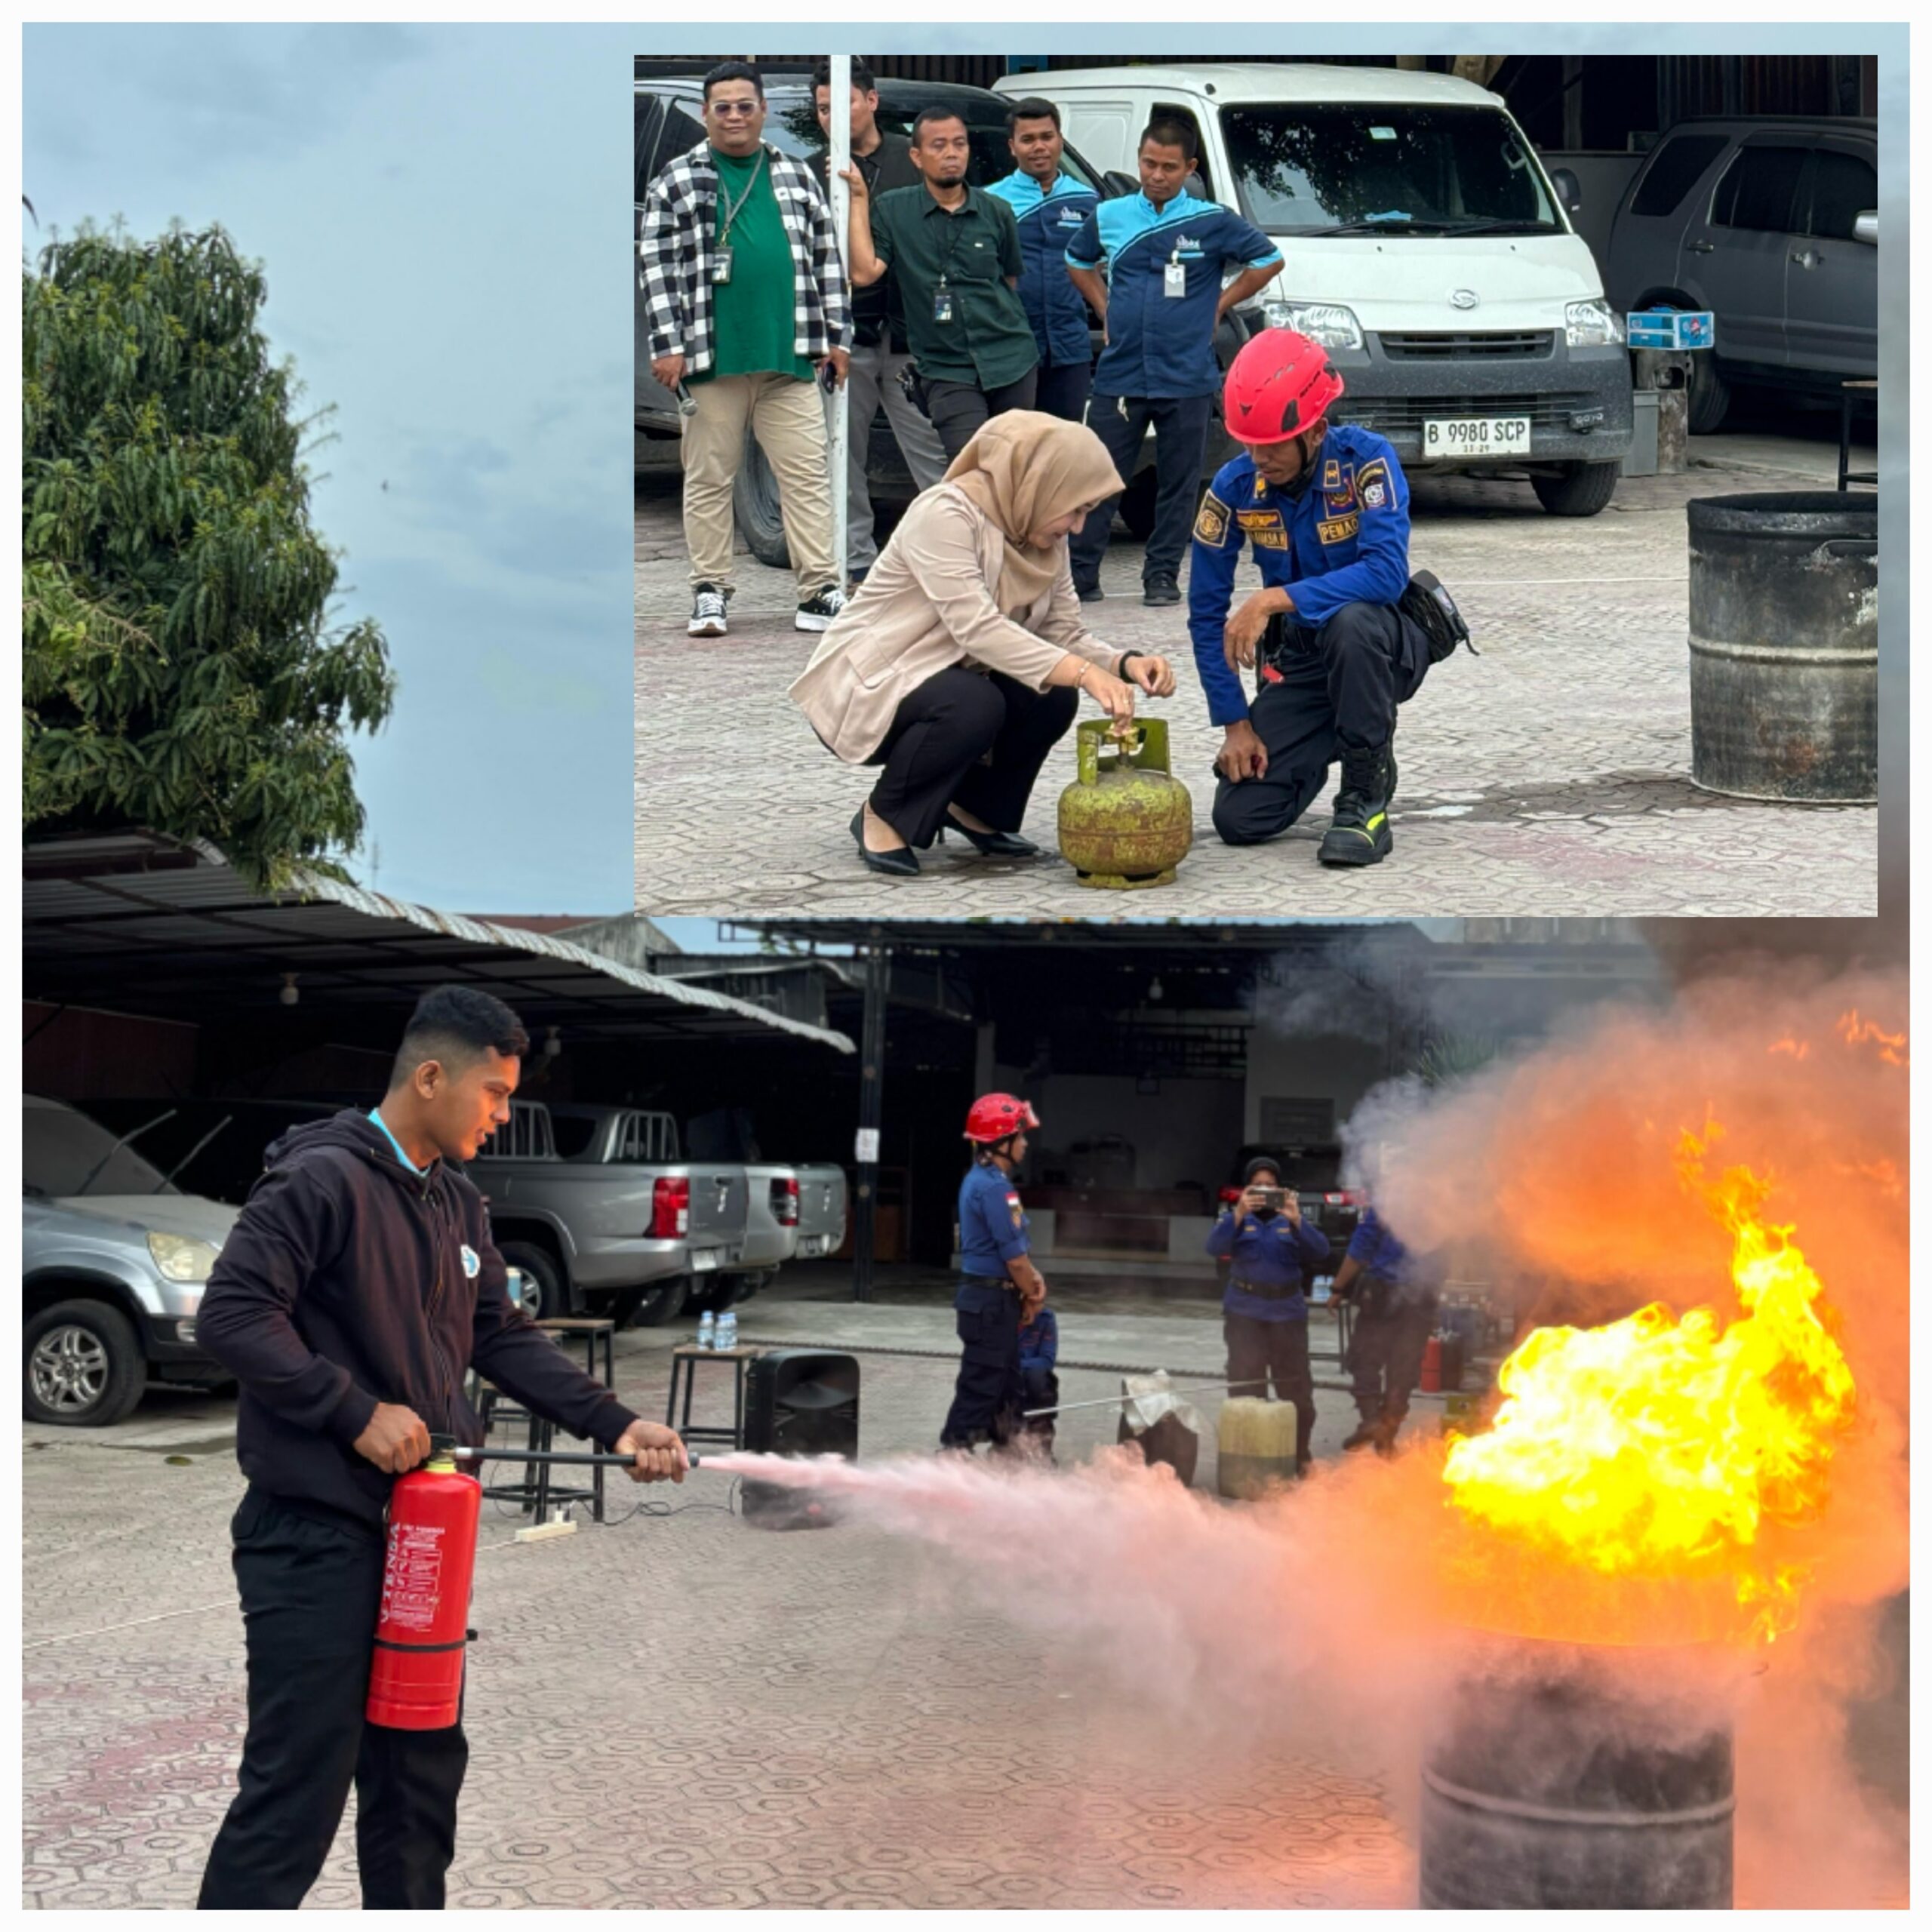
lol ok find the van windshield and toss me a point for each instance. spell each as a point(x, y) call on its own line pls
point(1383, 169)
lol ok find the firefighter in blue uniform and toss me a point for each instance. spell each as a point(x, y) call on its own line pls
point(996, 1277)
point(1269, 1249)
point(1341, 634)
point(1396, 1293)
point(1051, 207)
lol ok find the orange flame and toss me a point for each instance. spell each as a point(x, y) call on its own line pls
point(1669, 1452)
point(1856, 1031)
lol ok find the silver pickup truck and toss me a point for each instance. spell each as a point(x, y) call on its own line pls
point(596, 1208)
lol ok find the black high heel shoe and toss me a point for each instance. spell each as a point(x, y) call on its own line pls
point(994, 844)
point(903, 864)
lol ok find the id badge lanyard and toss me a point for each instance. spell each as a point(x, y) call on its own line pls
point(720, 261)
point(943, 293)
point(1173, 280)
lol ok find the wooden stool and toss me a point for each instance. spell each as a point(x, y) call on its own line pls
point(595, 1332)
point(685, 1360)
point(1845, 400)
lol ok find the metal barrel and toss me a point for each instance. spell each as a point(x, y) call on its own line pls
point(1547, 1790)
point(1784, 646)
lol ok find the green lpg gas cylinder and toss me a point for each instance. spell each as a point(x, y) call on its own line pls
point(1126, 821)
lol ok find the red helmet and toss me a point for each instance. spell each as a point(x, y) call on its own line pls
point(993, 1117)
point(1279, 386)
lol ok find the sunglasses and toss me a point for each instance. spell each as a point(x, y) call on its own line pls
point(724, 109)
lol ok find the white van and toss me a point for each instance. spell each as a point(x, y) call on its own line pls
point(1423, 243)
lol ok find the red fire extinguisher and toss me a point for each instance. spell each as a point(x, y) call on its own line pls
point(416, 1682)
point(1432, 1366)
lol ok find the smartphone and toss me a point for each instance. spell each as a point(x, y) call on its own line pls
point(1273, 1197)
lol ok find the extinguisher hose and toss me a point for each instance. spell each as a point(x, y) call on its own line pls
point(440, 1445)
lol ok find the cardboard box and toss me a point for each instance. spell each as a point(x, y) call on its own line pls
point(1672, 328)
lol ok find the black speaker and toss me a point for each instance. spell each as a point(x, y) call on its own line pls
point(798, 1402)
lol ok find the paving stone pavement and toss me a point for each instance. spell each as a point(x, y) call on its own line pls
point(680, 1710)
point(1548, 777)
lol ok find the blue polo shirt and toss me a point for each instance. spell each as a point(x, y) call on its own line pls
point(1345, 540)
point(1272, 1252)
point(1379, 1251)
point(1048, 221)
point(1159, 345)
point(992, 1225)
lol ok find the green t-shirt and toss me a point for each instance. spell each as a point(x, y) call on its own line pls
point(751, 314)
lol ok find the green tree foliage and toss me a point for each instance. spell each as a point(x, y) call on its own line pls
point(181, 672)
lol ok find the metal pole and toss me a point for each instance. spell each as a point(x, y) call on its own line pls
point(841, 408)
point(871, 1081)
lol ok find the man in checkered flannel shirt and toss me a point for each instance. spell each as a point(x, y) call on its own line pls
point(749, 311)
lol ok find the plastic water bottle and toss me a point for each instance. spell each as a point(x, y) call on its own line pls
point(727, 1330)
point(706, 1333)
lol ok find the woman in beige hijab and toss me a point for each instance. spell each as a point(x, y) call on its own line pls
point(957, 666)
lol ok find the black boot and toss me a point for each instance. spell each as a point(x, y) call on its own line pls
point(1358, 833)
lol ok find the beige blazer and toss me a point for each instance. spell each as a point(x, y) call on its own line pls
point(929, 602)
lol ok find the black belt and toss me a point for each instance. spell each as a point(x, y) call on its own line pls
point(1281, 1291)
point(988, 1281)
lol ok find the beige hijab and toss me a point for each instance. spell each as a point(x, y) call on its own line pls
point(1024, 469)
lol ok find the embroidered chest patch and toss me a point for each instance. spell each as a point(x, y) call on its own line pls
point(1264, 529)
point(1338, 529)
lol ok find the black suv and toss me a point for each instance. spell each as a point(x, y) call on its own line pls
point(669, 100)
point(1771, 224)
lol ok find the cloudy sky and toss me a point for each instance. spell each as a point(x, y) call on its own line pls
point(441, 215)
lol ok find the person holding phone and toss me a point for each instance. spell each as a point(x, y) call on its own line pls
point(1270, 1251)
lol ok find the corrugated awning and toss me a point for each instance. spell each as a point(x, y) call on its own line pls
point(140, 923)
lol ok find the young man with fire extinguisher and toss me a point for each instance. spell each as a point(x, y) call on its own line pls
point(357, 1287)
point(1341, 633)
point(998, 1281)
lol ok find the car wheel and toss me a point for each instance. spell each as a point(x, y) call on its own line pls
point(544, 1295)
point(663, 1302)
point(754, 503)
point(1709, 395)
point(1581, 489)
point(84, 1367)
point(719, 1292)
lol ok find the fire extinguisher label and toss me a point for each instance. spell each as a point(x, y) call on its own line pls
point(412, 1576)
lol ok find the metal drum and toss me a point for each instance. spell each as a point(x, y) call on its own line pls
point(1547, 1789)
point(1784, 646)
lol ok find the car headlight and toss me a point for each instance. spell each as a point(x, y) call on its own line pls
point(180, 1258)
point(1328, 323)
point(1591, 325)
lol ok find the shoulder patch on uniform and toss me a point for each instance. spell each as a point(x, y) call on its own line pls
point(1372, 484)
point(1014, 1208)
point(1211, 526)
point(1338, 529)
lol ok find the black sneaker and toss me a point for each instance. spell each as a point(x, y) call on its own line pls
point(1088, 593)
point(1358, 834)
point(707, 612)
point(816, 612)
point(1162, 589)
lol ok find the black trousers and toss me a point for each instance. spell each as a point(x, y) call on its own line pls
point(1260, 1351)
point(985, 1398)
point(977, 740)
point(310, 1593)
point(958, 410)
point(1180, 442)
point(1337, 692)
point(1063, 390)
point(1385, 1357)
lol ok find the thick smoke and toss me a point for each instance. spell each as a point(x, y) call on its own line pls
point(1322, 1619)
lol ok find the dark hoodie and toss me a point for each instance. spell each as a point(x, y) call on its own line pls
point(349, 1281)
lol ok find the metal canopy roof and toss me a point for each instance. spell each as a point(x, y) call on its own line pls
point(140, 923)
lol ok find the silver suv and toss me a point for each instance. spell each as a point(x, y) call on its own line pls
point(116, 1258)
point(1772, 225)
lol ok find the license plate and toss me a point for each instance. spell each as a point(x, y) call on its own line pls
point(1476, 435)
point(703, 1258)
point(812, 1244)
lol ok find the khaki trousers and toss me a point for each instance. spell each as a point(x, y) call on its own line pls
point(788, 419)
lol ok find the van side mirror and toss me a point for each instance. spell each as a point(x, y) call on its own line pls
point(1569, 190)
point(1864, 227)
point(1115, 183)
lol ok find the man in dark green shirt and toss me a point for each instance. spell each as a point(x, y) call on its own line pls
point(954, 253)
